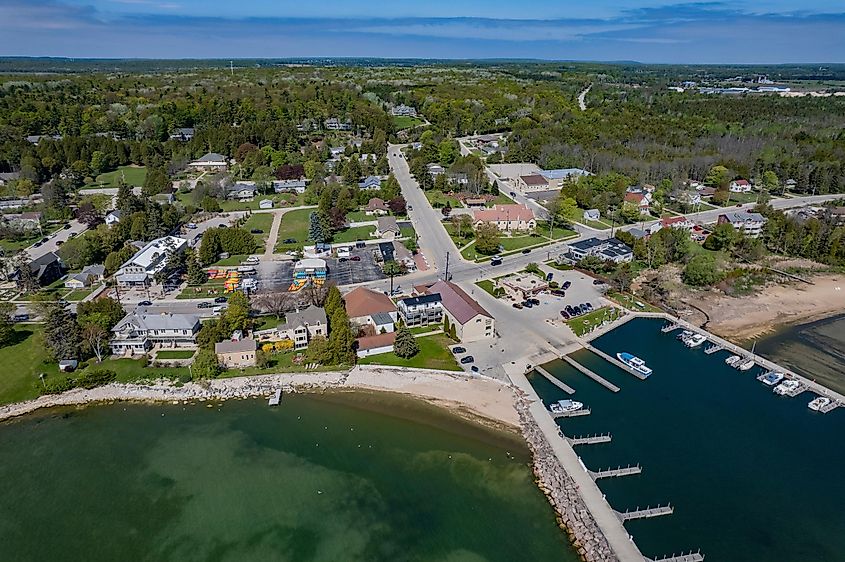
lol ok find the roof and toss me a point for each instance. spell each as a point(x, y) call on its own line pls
point(310, 316)
point(634, 197)
point(131, 277)
point(534, 179)
point(376, 204)
point(382, 318)
point(212, 157)
point(242, 187)
point(422, 299)
point(504, 213)
point(743, 216)
point(31, 215)
point(459, 304)
point(8, 176)
point(365, 302)
point(563, 173)
point(741, 182)
point(611, 246)
point(376, 341)
point(370, 180)
point(388, 224)
point(310, 263)
point(235, 346)
point(141, 320)
point(153, 251)
point(669, 221)
point(116, 213)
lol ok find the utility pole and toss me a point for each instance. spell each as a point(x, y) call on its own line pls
point(446, 277)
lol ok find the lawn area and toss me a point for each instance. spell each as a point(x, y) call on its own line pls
point(501, 199)
point(588, 322)
point(175, 354)
point(417, 330)
point(280, 201)
point(487, 285)
point(406, 122)
point(354, 233)
point(237, 259)
point(359, 216)
point(434, 354)
point(13, 246)
point(440, 199)
point(190, 292)
point(79, 294)
point(133, 175)
point(294, 225)
point(267, 322)
point(260, 221)
point(577, 215)
point(631, 302)
point(408, 232)
point(20, 363)
point(735, 198)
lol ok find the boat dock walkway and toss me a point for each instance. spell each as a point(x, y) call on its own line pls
point(619, 471)
point(574, 414)
point(615, 361)
point(598, 378)
point(830, 407)
point(276, 398)
point(589, 439)
point(669, 328)
point(688, 557)
point(646, 513)
point(798, 390)
point(555, 381)
point(713, 349)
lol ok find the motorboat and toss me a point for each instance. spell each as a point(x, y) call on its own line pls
point(695, 340)
point(733, 360)
point(771, 378)
point(564, 406)
point(787, 387)
point(819, 402)
point(634, 362)
point(745, 365)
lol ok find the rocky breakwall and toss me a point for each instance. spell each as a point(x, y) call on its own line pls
point(563, 494)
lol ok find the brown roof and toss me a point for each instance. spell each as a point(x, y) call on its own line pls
point(459, 304)
point(388, 224)
point(534, 179)
point(504, 213)
point(378, 340)
point(376, 204)
point(365, 302)
point(235, 346)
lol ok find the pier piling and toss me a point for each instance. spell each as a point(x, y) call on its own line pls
point(589, 439)
point(645, 513)
point(615, 472)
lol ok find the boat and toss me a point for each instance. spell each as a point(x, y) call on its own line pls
point(819, 402)
point(771, 378)
point(787, 387)
point(695, 340)
point(683, 336)
point(733, 360)
point(746, 365)
point(634, 362)
point(564, 406)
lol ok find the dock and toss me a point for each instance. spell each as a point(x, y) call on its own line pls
point(669, 328)
point(615, 361)
point(276, 398)
point(645, 513)
point(589, 439)
point(798, 390)
point(713, 349)
point(688, 557)
point(830, 407)
point(617, 472)
point(575, 414)
point(555, 381)
point(598, 378)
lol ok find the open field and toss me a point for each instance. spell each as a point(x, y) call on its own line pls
point(260, 221)
point(406, 122)
point(354, 233)
point(132, 175)
point(294, 225)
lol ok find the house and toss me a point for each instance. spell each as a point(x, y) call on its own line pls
point(164, 198)
point(470, 320)
point(387, 228)
point(140, 330)
point(686, 197)
point(8, 177)
point(403, 110)
point(183, 134)
point(640, 199)
point(507, 217)
point(236, 353)
point(376, 206)
point(676, 222)
point(265, 204)
point(88, 276)
point(297, 186)
point(211, 162)
point(421, 310)
point(46, 269)
point(403, 256)
point(334, 124)
point(607, 250)
point(337, 151)
point(373, 345)
point(750, 224)
point(241, 191)
point(370, 182)
point(558, 177)
point(436, 169)
point(592, 215)
point(532, 182)
point(149, 260)
point(365, 306)
point(706, 191)
point(837, 215)
point(28, 221)
point(299, 327)
point(113, 217)
point(739, 186)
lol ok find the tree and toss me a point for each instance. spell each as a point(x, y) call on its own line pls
point(156, 182)
point(210, 246)
point(61, 333)
point(398, 205)
point(718, 176)
point(237, 312)
point(462, 224)
point(7, 330)
point(97, 339)
point(27, 281)
point(447, 152)
point(205, 365)
point(487, 237)
point(317, 230)
point(723, 237)
point(210, 204)
point(88, 214)
point(104, 312)
point(196, 275)
point(405, 345)
point(334, 301)
point(701, 271)
point(562, 208)
point(623, 276)
point(629, 212)
point(341, 338)
point(770, 181)
point(262, 358)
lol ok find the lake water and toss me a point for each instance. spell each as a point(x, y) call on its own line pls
point(752, 476)
point(320, 478)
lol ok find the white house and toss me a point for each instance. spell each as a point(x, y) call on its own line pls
point(740, 186)
point(387, 228)
point(139, 331)
point(297, 186)
point(241, 191)
point(373, 345)
point(89, 275)
point(149, 260)
point(370, 183)
point(750, 224)
point(113, 217)
point(592, 215)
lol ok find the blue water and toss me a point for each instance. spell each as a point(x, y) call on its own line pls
point(752, 476)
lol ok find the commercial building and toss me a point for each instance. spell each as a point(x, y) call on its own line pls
point(149, 260)
point(532, 182)
point(608, 250)
point(471, 321)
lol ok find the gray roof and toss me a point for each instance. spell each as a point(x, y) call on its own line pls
point(742, 216)
point(310, 316)
point(242, 187)
point(94, 269)
point(386, 224)
point(9, 176)
point(142, 320)
point(212, 157)
point(235, 346)
point(381, 318)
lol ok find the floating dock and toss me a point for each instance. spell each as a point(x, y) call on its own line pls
point(555, 381)
point(589, 439)
point(669, 328)
point(598, 378)
point(688, 557)
point(713, 349)
point(276, 398)
point(830, 407)
point(646, 513)
point(619, 471)
point(574, 414)
point(615, 362)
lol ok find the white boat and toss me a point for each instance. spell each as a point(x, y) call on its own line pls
point(746, 365)
point(786, 387)
point(634, 362)
point(771, 378)
point(686, 334)
point(819, 402)
point(733, 360)
point(695, 340)
point(563, 406)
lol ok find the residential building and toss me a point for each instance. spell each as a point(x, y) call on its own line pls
point(641, 199)
point(558, 177)
point(149, 260)
point(183, 134)
point(140, 330)
point(376, 206)
point(740, 186)
point(211, 162)
point(300, 327)
point(403, 256)
point(507, 218)
point(46, 269)
point(387, 228)
point(365, 306)
point(297, 186)
point(404, 110)
point(608, 250)
point(471, 321)
point(370, 183)
point(686, 197)
point(113, 217)
point(750, 224)
point(337, 151)
point(421, 310)
point(533, 182)
point(164, 198)
point(335, 124)
point(373, 345)
point(592, 215)
point(89, 275)
point(241, 191)
point(837, 214)
point(436, 169)
point(677, 222)
point(28, 221)
point(8, 177)
point(236, 353)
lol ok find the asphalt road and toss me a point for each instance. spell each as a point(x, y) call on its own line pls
point(62, 235)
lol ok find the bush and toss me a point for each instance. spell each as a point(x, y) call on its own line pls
point(701, 271)
point(95, 378)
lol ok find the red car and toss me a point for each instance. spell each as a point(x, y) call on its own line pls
point(355, 258)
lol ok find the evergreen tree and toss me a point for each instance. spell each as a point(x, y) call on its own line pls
point(334, 301)
point(205, 365)
point(210, 246)
point(61, 333)
point(237, 312)
point(27, 281)
point(7, 330)
point(317, 228)
point(196, 275)
point(341, 338)
point(405, 345)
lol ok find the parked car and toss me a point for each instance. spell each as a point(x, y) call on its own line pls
point(458, 349)
point(20, 317)
point(355, 258)
point(527, 304)
point(204, 304)
point(513, 194)
point(37, 244)
point(534, 301)
point(67, 226)
point(360, 245)
point(289, 241)
point(221, 299)
point(474, 369)
point(191, 225)
point(256, 231)
point(589, 307)
point(341, 260)
point(59, 242)
point(517, 305)
point(145, 303)
point(598, 282)
point(409, 208)
point(526, 251)
point(566, 285)
point(565, 315)
point(467, 359)
point(45, 240)
point(558, 292)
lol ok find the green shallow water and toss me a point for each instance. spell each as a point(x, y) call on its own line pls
point(752, 476)
point(321, 478)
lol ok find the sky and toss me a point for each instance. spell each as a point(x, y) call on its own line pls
point(657, 31)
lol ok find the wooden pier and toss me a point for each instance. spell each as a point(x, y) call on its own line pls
point(555, 381)
point(616, 362)
point(589, 439)
point(646, 513)
point(713, 349)
point(619, 471)
point(688, 557)
point(276, 398)
point(574, 414)
point(598, 378)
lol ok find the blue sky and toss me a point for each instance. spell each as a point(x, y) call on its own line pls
point(671, 31)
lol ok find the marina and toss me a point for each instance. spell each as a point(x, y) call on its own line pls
point(599, 379)
point(555, 381)
point(616, 472)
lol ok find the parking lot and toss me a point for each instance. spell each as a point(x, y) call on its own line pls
point(277, 275)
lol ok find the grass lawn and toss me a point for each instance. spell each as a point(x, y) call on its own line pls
point(488, 286)
point(577, 215)
point(406, 122)
point(586, 323)
point(359, 216)
point(417, 330)
point(735, 198)
point(190, 292)
point(354, 233)
point(267, 322)
point(440, 199)
point(13, 246)
point(237, 259)
point(133, 175)
point(280, 201)
point(408, 232)
point(294, 225)
point(260, 221)
point(175, 354)
point(434, 354)
point(79, 294)
point(20, 363)
point(501, 199)
point(631, 302)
